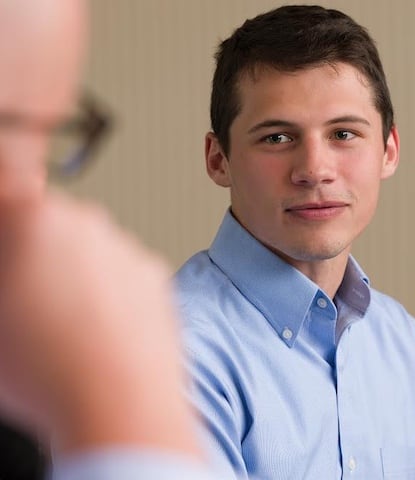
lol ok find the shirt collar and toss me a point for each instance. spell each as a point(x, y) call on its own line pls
point(279, 291)
point(354, 289)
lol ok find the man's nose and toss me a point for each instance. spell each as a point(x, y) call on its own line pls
point(314, 163)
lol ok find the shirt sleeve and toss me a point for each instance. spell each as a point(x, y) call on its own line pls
point(219, 411)
point(116, 464)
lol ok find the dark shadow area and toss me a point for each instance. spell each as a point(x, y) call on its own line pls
point(21, 457)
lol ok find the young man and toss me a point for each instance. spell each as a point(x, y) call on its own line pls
point(88, 352)
point(300, 369)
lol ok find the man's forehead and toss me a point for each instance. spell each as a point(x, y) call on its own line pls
point(43, 28)
point(40, 51)
point(316, 95)
point(252, 80)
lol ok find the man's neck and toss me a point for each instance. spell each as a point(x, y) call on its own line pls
point(327, 274)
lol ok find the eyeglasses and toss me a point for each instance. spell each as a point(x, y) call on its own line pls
point(74, 142)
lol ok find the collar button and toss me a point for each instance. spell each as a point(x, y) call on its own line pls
point(322, 302)
point(287, 333)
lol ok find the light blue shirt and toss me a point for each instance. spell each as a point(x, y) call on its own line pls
point(127, 464)
point(288, 383)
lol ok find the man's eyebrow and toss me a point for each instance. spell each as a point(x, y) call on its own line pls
point(348, 119)
point(271, 123)
point(287, 124)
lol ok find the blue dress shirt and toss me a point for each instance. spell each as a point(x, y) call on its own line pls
point(288, 383)
point(127, 464)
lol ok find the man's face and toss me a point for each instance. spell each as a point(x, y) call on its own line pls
point(306, 159)
point(40, 51)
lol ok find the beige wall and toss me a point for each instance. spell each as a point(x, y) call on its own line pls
point(152, 61)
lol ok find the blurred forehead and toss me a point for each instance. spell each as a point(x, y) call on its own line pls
point(41, 46)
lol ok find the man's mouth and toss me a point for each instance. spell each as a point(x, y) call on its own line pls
point(317, 210)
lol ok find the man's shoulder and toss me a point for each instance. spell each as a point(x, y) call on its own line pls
point(209, 303)
point(198, 276)
point(388, 308)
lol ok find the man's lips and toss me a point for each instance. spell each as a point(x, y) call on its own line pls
point(317, 210)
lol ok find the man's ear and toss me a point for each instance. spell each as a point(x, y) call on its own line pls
point(391, 156)
point(217, 164)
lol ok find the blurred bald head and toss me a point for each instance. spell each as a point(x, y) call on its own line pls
point(41, 51)
point(41, 45)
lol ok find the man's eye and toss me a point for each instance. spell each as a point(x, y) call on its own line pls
point(277, 138)
point(343, 135)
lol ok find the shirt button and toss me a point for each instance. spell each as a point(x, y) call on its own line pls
point(287, 333)
point(322, 302)
point(352, 464)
